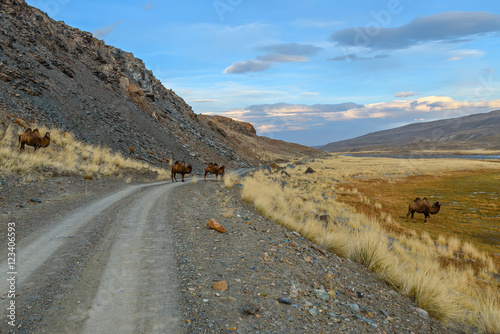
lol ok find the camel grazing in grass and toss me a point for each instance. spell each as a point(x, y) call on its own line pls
point(180, 168)
point(422, 206)
point(33, 138)
point(214, 169)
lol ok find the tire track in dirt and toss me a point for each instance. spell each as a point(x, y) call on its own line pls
point(126, 282)
point(136, 287)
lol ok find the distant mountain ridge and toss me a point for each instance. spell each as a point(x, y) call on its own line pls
point(477, 131)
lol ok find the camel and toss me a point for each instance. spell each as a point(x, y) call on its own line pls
point(180, 168)
point(214, 169)
point(33, 138)
point(422, 206)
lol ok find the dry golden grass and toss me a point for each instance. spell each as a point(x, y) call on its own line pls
point(230, 179)
point(65, 154)
point(430, 271)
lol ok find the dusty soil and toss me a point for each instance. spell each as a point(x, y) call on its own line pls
point(277, 281)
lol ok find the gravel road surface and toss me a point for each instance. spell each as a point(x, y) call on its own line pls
point(102, 267)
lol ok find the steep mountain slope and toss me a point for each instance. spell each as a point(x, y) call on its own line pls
point(242, 136)
point(478, 131)
point(55, 75)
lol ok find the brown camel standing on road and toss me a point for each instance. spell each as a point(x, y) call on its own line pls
point(180, 168)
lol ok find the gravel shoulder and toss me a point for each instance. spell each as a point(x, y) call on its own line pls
point(277, 281)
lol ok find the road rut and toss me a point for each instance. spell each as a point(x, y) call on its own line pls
point(105, 267)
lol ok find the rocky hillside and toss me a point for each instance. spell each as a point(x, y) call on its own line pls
point(58, 76)
point(478, 131)
point(242, 137)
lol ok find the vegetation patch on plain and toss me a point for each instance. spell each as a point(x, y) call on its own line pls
point(446, 275)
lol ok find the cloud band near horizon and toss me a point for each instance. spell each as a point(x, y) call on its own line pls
point(292, 117)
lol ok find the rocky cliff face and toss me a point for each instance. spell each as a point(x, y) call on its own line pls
point(59, 76)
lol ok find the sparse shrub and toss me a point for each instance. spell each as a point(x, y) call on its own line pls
point(230, 179)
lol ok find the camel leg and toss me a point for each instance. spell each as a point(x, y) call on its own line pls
point(205, 176)
point(182, 177)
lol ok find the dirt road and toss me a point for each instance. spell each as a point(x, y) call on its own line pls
point(108, 257)
point(104, 267)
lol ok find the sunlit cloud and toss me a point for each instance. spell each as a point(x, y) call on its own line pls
point(404, 94)
point(292, 117)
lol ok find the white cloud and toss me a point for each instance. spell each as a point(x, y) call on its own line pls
point(461, 54)
point(280, 53)
point(404, 94)
point(248, 66)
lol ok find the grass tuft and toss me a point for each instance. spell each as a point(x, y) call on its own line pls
point(67, 155)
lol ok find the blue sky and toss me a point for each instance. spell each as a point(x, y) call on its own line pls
point(310, 71)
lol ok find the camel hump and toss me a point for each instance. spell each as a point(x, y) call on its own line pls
point(417, 199)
